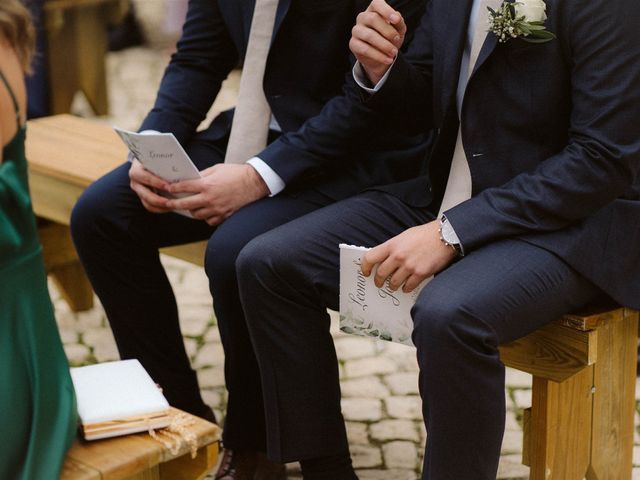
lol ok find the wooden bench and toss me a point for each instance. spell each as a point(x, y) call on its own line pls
point(581, 421)
point(140, 457)
point(66, 154)
point(76, 37)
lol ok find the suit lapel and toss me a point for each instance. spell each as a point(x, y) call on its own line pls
point(450, 23)
point(283, 8)
point(490, 41)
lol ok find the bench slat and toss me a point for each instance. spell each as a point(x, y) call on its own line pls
point(72, 149)
point(75, 470)
point(139, 455)
point(554, 352)
point(593, 319)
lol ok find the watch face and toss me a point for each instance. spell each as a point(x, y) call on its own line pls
point(448, 234)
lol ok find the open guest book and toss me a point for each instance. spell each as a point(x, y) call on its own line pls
point(118, 398)
point(371, 311)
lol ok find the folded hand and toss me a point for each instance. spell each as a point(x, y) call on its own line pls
point(409, 258)
point(376, 38)
point(222, 190)
point(144, 183)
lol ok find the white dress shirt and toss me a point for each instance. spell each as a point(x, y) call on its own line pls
point(274, 182)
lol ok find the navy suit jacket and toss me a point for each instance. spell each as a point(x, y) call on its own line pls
point(551, 132)
point(326, 140)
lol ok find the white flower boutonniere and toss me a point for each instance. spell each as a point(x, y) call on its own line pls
point(522, 18)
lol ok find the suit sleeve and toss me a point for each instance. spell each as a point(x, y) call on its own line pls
point(406, 98)
point(601, 160)
point(342, 123)
point(205, 55)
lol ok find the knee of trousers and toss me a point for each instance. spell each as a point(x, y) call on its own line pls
point(256, 261)
point(220, 258)
point(87, 215)
point(269, 260)
point(446, 328)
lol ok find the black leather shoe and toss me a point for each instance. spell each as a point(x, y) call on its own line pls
point(237, 465)
point(248, 465)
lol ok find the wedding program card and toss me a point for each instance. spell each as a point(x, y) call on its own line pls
point(162, 155)
point(371, 311)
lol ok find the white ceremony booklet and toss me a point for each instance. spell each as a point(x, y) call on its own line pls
point(118, 398)
point(371, 311)
point(162, 155)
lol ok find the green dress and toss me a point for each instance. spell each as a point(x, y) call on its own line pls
point(37, 403)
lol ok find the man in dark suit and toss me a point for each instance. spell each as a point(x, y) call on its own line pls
point(319, 152)
point(541, 216)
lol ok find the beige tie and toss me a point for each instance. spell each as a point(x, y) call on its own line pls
point(459, 186)
point(250, 126)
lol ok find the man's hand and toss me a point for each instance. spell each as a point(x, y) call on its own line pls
point(143, 183)
point(222, 190)
point(376, 38)
point(409, 258)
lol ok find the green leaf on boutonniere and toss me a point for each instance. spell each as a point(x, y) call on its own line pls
point(506, 24)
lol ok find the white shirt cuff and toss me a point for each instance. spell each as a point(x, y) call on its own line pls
point(361, 78)
point(275, 184)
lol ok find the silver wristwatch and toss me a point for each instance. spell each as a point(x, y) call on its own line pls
point(449, 237)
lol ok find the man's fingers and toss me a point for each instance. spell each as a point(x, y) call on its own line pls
point(372, 258)
point(379, 25)
point(412, 283)
point(149, 198)
point(192, 203)
point(375, 40)
point(218, 219)
point(186, 186)
point(385, 10)
point(398, 278)
point(385, 269)
point(138, 174)
point(389, 15)
point(400, 26)
point(215, 221)
point(368, 54)
point(212, 216)
point(153, 209)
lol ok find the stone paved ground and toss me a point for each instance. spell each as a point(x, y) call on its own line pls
point(379, 380)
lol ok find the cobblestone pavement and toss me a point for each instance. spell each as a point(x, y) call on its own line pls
point(379, 380)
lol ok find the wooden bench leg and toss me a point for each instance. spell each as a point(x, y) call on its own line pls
point(614, 400)
point(91, 55)
point(63, 75)
point(74, 286)
point(77, 46)
point(559, 423)
point(62, 263)
point(186, 468)
point(151, 474)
